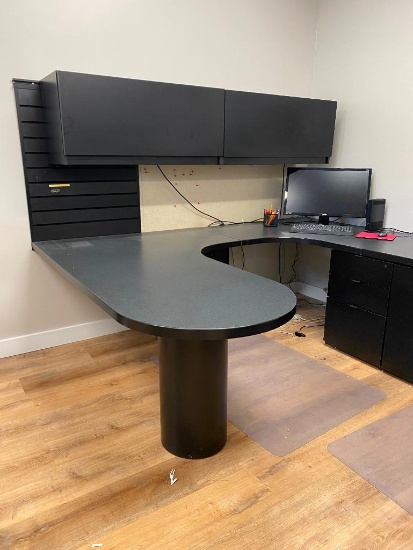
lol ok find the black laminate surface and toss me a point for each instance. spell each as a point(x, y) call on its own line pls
point(355, 331)
point(161, 283)
point(398, 343)
point(399, 251)
point(264, 126)
point(99, 116)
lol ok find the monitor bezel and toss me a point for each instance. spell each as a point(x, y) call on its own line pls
point(291, 169)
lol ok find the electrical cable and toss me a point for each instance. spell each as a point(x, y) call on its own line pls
point(294, 274)
point(405, 233)
point(301, 334)
point(279, 263)
point(243, 257)
point(287, 329)
point(235, 223)
point(217, 221)
point(282, 188)
point(221, 222)
point(309, 326)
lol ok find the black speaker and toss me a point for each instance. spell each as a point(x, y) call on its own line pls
point(375, 214)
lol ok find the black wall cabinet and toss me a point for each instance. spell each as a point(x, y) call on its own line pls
point(98, 120)
point(263, 127)
point(106, 120)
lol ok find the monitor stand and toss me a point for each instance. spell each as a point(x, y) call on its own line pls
point(324, 219)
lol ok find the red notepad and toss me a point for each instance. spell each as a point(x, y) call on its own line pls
point(368, 235)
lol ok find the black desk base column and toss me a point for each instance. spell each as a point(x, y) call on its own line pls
point(193, 377)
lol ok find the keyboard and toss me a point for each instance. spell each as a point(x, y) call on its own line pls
point(320, 229)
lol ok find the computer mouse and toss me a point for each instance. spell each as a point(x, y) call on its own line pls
point(382, 233)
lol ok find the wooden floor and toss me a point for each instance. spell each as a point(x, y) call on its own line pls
point(81, 462)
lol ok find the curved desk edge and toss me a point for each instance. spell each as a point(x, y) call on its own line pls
point(64, 257)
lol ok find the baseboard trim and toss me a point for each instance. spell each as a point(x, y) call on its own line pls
point(57, 337)
point(310, 291)
point(76, 333)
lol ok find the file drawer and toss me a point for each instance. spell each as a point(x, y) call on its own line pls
point(355, 331)
point(356, 293)
point(360, 268)
point(358, 298)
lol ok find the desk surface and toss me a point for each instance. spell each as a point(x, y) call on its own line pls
point(162, 284)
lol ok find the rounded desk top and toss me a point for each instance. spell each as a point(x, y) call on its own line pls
point(162, 284)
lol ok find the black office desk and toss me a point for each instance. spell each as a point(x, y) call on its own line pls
point(161, 283)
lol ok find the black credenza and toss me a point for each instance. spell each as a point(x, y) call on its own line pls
point(369, 311)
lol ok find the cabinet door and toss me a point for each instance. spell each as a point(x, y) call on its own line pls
point(120, 117)
point(355, 331)
point(263, 125)
point(398, 343)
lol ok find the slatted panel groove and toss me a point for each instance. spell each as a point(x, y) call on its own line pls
point(85, 215)
point(76, 230)
point(83, 188)
point(35, 145)
point(78, 174)
point(36, 160)
point(87, 201)
point(33, 129)
point(95, 200)
point(30, 96)
point(31, 114)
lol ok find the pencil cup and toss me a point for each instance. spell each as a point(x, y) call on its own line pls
point(270, 220)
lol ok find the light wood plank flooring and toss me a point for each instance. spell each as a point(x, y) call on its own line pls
point(81, 462)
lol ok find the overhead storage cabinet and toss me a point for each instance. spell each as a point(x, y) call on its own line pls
point(271, 128)
point(99, 120)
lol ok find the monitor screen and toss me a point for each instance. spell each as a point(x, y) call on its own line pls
point(342, 192)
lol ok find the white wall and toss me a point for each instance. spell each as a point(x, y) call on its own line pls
point(364, 60)
point(255, 45)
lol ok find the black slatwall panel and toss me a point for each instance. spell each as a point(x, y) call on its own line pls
point(69, 202)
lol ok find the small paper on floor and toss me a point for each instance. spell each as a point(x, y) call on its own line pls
point(97, 545)
point(172, 477)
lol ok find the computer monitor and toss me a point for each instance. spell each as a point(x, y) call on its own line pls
point(326, 192)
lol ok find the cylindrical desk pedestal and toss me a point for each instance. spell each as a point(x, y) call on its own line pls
point(193, 377)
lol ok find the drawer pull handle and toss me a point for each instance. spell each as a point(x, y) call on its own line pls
point(355, 281)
